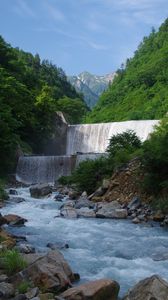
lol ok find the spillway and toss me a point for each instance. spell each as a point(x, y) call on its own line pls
point(94, 138)
point(42, 169)
point(86, 141)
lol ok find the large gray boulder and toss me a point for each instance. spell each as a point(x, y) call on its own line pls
point(86, 212)
point(152, 288)
point(6, 290)
point(40, 190)
point(111, 210)
point(68, 212)
point(50, 272)
point(103, 289)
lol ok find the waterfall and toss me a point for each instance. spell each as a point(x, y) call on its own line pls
point(94, 138)
point(86, 141)
point(42, 169)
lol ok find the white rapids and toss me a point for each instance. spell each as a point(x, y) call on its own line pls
point(99, 248)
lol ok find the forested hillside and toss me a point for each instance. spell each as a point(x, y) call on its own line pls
point(31, 91)
point(140, 91)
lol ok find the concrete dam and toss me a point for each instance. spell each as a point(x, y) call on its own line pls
point(85, 141)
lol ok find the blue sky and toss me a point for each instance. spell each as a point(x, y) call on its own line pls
point(80, 35)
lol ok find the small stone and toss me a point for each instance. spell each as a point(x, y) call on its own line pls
point(136, 221)
point(32, 293)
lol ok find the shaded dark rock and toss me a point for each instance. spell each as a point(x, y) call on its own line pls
point(135, 203)
point(13, 192)
point(57, 246)
point(6, 290)
point(40, 190)
point(2, 220)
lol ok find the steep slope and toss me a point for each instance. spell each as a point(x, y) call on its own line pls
point(140, 91)
point(92, 86)
point(31, 92)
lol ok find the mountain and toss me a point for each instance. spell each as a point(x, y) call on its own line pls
point(91, 86)
point(140, 91)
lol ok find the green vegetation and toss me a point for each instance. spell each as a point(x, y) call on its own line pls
point(90, 173)
point(31, 92)
point(3, 193)
point(155, 160)
point(23, 287)
point(12, 261)
point(140, 90)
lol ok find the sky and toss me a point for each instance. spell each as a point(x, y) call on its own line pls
point(80, 35)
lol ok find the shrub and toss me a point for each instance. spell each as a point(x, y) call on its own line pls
point(12, 261)
point(126, 141)
point(90, 173)
point(160, 203)
point(65, 180)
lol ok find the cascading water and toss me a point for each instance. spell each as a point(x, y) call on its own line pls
point(89, 139)
point(94, 138)
point(42, 169)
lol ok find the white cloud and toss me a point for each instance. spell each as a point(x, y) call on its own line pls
point(97, 46)
point(23, 9)
point(54, 12)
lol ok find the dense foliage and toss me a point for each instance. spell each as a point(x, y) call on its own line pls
point(140, 90)
point(90, 173)
point(155, 160)
point(31, 91)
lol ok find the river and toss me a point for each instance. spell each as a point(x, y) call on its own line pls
point(98, 248)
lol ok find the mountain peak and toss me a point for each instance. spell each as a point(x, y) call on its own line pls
point(92, 86)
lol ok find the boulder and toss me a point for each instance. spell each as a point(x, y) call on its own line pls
point(14, 220)
point(152, 288)
point(40, 190)
point(135, 203)
point(84, 202)
point(6, 290)
point(73, 195)
point(17, 199)
point(46, 296)
point(111, 210)
point(50, 272)
point(103, 289)
point(68, 212)
point(86, 212)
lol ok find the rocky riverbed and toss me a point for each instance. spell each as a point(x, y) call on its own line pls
point(96, 248)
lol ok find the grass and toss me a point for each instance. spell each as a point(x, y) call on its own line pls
point(12, 261)
point(23, 287)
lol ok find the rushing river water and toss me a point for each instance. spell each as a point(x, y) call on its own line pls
point(99, 248)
